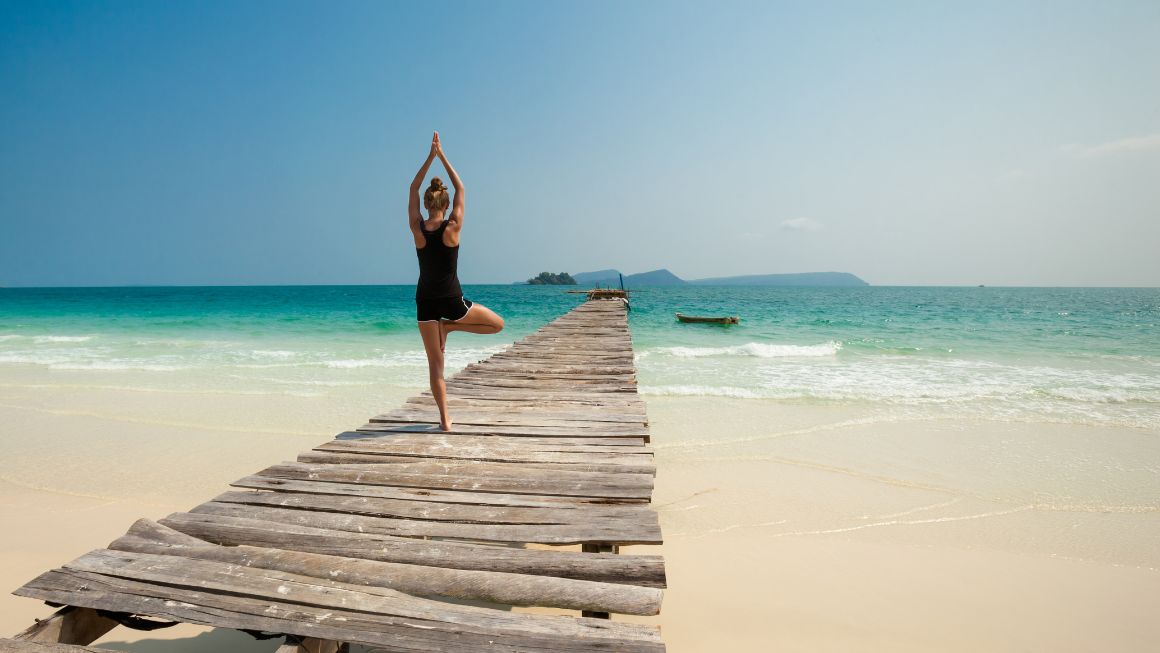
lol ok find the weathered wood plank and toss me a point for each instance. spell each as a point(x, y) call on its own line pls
point(617, 400)
point(609, 431)
point(522, 400)
point(259, 507)
point(527, 367)
point(506, 451)
point(476, 477)
point(540, 386)
point(514, 415)
point(452, 439)
point(422, 494)
point(379, 458)
point(624, 447)
point(643, 570)
point(435, 510)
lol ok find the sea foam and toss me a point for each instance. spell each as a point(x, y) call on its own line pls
point(699, 391)
point(754, 349)
point(62, 338)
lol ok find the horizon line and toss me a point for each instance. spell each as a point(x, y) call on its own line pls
point(521, 283)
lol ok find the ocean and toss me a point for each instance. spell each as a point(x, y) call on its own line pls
point(1064, 355)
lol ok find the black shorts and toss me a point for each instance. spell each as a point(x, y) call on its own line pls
point(444, 308)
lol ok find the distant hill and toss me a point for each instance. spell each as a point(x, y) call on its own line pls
point(610, 277)
point(661, 277)
point(602, 277)
point(796, 279)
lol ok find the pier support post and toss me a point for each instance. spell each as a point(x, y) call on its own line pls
point(69, 625)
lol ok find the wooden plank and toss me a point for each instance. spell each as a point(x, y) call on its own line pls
point(527, 367)
point(501, 415)
point(623, 396)
point(391, 441)
point(522, 400)
point(376, 458)
point(422, 494)
point(476, 477)
point(258, 507)
point(540, 358)
point(423, 581)
point(643, 570)
point(540, 386)
point(575, 379)
point(620, 430)
point(611, 431)
point(435, 510)
point(482, 449)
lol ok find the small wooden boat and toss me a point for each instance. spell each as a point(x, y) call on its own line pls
point(724, 319)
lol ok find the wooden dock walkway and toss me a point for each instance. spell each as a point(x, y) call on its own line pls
point(403, 537)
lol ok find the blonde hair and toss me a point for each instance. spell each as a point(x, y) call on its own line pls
point(436, 197)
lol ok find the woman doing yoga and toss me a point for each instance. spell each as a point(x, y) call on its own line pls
point(439, 300)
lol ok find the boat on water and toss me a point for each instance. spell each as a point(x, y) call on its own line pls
point(703, 319)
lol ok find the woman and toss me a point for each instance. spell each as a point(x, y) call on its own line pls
point(439, 300)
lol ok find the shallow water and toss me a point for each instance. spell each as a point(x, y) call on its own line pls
point(1059, 355)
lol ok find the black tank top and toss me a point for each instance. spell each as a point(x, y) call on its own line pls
point(437, 266)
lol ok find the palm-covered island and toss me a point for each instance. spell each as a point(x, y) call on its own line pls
point(552, 279)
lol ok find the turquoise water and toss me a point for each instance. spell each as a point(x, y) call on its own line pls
point(1086, 356)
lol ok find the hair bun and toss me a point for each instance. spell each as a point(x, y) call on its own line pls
point(437, 184)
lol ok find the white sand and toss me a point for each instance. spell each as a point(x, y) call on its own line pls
point(790, 528)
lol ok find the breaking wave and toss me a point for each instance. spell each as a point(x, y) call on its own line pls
point(754, 349)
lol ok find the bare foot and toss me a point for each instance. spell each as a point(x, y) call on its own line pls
point(442, 336)
point(445, 424)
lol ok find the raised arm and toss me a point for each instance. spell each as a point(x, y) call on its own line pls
point(460, 199)
point(414, 218)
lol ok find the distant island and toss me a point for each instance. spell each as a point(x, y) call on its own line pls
point(663, 277)
point(550, 279)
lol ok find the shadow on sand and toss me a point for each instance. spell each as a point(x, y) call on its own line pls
point(218, 639)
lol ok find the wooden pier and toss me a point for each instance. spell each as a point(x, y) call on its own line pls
point(402, 537)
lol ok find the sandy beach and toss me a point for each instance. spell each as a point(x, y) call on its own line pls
point(800, 528)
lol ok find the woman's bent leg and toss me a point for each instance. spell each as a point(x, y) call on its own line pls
point(479, 319)
point(432, 345)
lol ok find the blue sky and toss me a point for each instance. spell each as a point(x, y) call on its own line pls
point(273, 142)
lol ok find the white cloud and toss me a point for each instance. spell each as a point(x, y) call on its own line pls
point(800, 224)
point(1146, 143)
